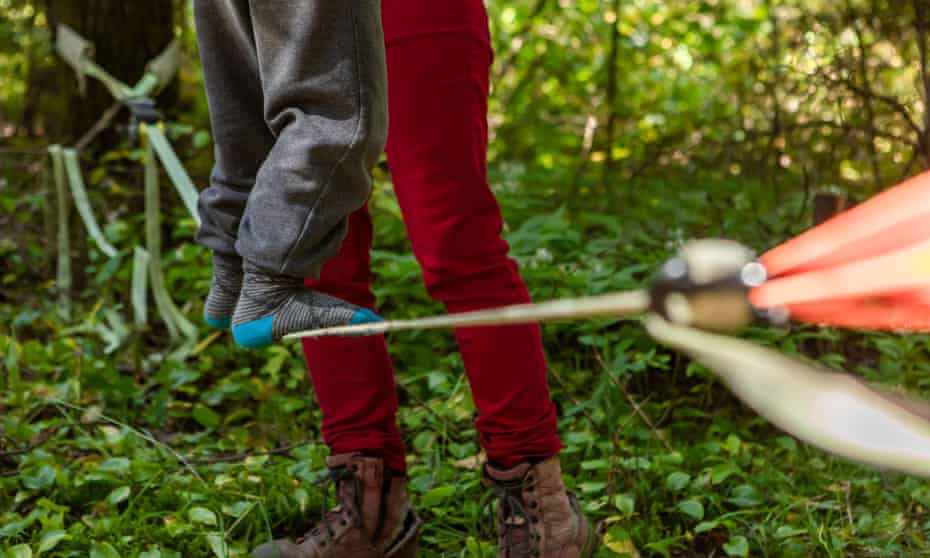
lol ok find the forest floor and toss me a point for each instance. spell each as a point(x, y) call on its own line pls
point(124, 451)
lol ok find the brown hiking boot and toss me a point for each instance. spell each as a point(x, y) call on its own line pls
point(373, 518)
point(535, 516)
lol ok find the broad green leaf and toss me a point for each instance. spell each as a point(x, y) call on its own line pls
point(787, 531)
point(39, 478)
point(619, 541)
point(705, 526)
point(205, 416)
point(745, 496)
point(238, 508)
point(437, 495)
point(20, 551)
point(198, 514)
point(738, 546)
point(50, 539)
point(117, 465)
point(677, 481)
point(722, 472)
point(118, 495)
point(626, 503)
point(692, 508)
point(218, 545)
point(104, 550)
point(14, 528)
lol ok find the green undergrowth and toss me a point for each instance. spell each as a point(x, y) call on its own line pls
point(119, 450)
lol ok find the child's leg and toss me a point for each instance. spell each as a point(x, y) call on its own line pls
point(242, 141)
point(324, 97)
point(297, 95)
point(353, 377)
point(437, 146)
point(241, 137)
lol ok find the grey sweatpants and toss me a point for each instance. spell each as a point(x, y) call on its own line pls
point(297, 91)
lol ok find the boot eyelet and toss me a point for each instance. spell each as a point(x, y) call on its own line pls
point(533, 504)
point(344, 522)
point(534, 519)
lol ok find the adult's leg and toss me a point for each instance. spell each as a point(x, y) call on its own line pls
point(353, 377)
point(437, 148)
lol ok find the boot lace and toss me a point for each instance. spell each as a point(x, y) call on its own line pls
point(516, 526)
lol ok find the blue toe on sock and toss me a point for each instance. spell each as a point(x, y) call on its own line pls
point(218, 323)
point(365, 316)
point(255, 334)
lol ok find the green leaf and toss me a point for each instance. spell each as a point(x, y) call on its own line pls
point(437, 495)
point(20, 551)
point(198, 514)
point(117, 465)
point(592, 487)
point(626, 503)
point(103, 550)
point(118, 495)
point(721, 473)
point(14, 528)
point(205, 416)
point(596, 464)
point(50, 539)
point(692, 508)
point(39, 478)
point(706, 526)
point(236, 510)
point(218, 545)
point(787, 531)
point(738, 546)
point(677, 481)
point(745, 496)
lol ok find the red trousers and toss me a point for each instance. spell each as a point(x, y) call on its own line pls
point(438, 56)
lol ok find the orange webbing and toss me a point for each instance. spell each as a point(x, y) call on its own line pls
point(890, 220)
point(878, 313)
point(902, 270)
point(866, 268)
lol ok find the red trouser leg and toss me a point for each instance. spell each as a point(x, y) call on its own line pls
point(438, 63)
point(353, 377)
point(437, 151)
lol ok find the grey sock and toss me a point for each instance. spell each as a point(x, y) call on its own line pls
point(293, 306)
point(224, 291)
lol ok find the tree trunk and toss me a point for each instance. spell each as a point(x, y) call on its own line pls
point(126, 36)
